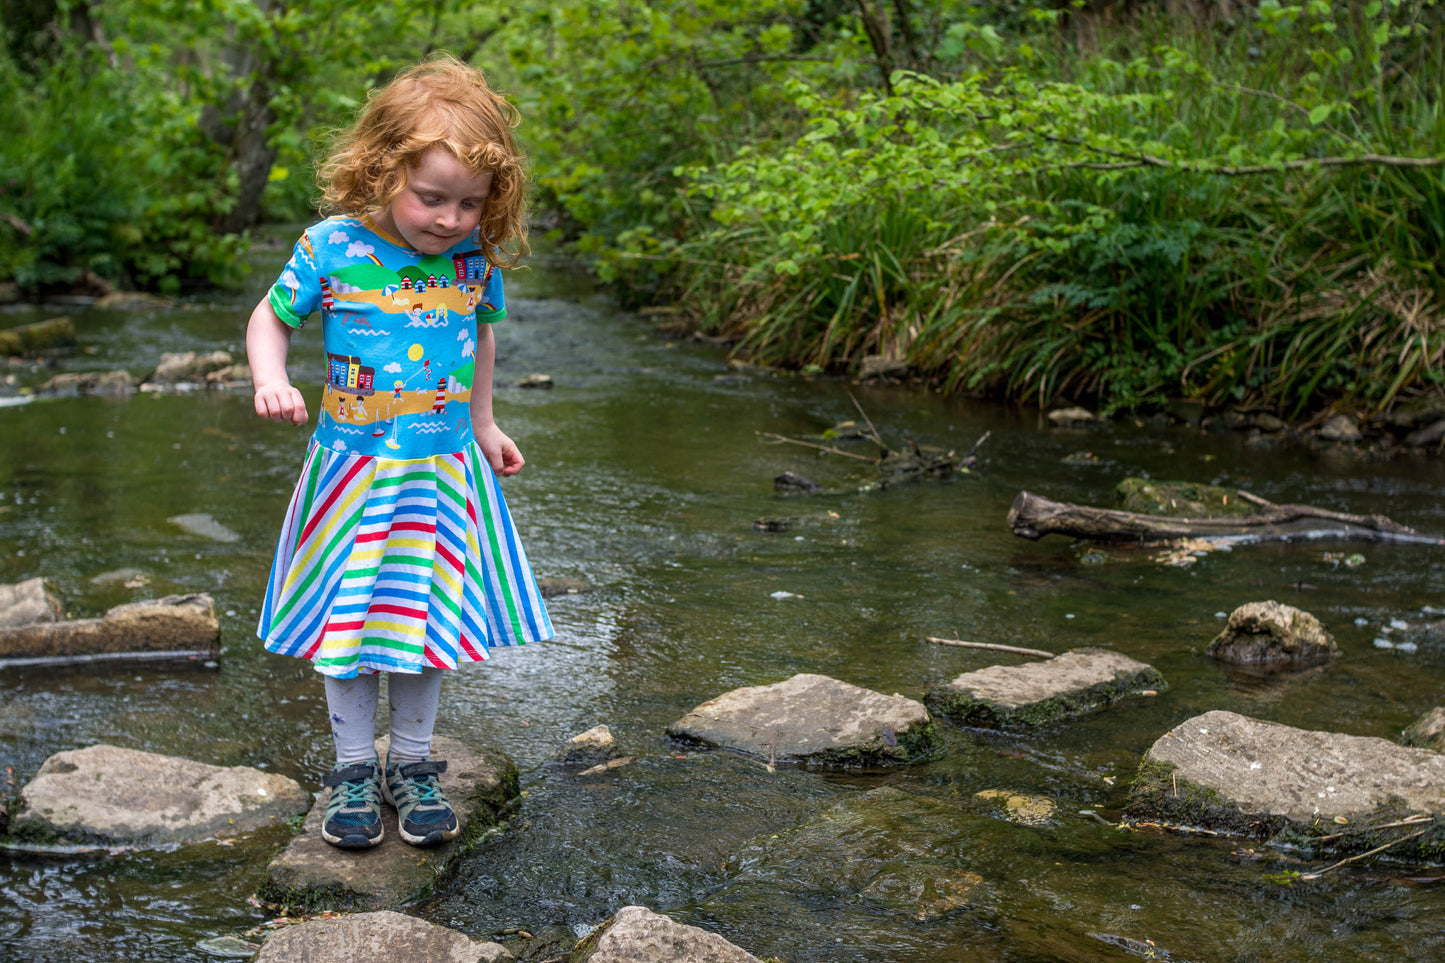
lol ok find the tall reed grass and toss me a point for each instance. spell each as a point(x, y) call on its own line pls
point(993, 235)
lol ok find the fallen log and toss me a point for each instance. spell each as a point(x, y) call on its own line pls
point(1033, 517)
point(165, 628)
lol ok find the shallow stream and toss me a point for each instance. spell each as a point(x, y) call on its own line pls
point(645, 476)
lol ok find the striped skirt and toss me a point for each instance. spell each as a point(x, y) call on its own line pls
point(397, 565)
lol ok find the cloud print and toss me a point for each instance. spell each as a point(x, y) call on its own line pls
point(289, 280)
point(392, 368)
point(359, 249)
point(338, 237)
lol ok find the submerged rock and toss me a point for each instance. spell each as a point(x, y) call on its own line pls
point(1322, 790)
point(382, 935)
point(29, 601)
point(1075, 682)
point(313, 875)
point(110, 796)
point(1427, 732)
point(199, 523)
point(814, 719)
point(591, 748)
point(635, 934)
point(1272, 632)
point(553, 587)
point(902, 852)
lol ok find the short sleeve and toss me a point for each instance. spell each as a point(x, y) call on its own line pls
point(493, 303)
point(297, 292)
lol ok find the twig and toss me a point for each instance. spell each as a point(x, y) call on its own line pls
point(872, 432)
point(1414, 820)
point(1377, 849)
point(808, 444)
point(990, 645)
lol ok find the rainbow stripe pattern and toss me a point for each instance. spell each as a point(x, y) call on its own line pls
point(396, 565)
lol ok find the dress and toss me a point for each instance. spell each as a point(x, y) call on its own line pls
point(397, 552)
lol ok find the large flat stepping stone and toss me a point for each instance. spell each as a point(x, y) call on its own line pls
point(112, 797)
point(813, 719)
point(1324, 790)
point(1070, 684)
point(382, 935)
point(636, 934)
point(313, 875)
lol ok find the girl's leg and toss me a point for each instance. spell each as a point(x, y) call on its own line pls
point(352, 706)
point(414, 698)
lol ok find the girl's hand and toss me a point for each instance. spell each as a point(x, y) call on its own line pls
point(280, 402)
point(500, 451)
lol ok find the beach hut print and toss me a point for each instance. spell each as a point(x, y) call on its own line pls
point(471, 266)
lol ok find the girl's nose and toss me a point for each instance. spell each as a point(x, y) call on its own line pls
point(448, 216)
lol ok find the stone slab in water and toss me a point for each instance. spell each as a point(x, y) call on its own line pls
point(815, 719)
point(635, 934)
point(1075, 682)
point(314, 875)
point(175, 623)
point(29, 601)
point(382, 935)
point(1231, 773)
point(110, 796)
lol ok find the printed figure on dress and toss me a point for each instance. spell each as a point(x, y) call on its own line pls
point(397, 552)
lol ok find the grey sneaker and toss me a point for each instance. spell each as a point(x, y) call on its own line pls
point(423, 814)
point(353, 811)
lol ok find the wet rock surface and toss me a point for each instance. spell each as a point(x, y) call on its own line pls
point(189, 366)
point(1231, 773)
point(26, 602)
point(638, 935)
point(172, 624)
point(481, 785)
point(382, 935)
point(814, 719)
point(594, 747)
point(110, 796)
point(1077, 681)
point(1427, 732)
point(1272, 632)
point(905, 854)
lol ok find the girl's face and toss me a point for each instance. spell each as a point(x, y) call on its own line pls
point(440, 205)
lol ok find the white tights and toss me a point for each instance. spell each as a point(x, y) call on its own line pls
point(352, 705)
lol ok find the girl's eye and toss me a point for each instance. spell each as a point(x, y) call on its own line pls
point(431, 200)
point(471, 205)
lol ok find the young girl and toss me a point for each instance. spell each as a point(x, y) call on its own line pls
point(397, 553)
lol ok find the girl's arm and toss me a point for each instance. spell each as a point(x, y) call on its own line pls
point(500, 451)
point(267, 341)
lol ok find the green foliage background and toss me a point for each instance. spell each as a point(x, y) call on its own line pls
point(1097, 202)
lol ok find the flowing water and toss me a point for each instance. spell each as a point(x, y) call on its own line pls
point(645, 476)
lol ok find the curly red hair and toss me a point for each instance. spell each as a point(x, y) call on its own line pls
point(438, 102)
